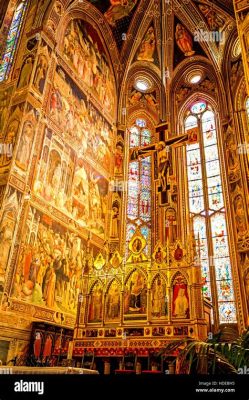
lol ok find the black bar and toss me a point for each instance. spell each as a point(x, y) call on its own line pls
point(130, 386)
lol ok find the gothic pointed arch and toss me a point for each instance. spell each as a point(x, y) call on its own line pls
point(92, 16)
point(178, 273)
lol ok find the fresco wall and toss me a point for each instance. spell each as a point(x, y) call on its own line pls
point(71, 184)
point(79, 122)
point(84, 51)
point(60, 130)
point(50, 264)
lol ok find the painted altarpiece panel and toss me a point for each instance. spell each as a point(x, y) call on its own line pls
point(135, 296)
point(180, 299)
point(95, 308)
point(113, 301)
point(159, 298)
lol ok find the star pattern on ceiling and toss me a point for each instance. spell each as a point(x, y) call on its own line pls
point(118, 14)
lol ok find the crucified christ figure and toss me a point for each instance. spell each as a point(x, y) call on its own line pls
point(163, 164)
point(162, 149)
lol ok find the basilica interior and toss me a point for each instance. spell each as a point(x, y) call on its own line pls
point(124, 170)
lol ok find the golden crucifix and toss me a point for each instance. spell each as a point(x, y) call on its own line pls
point(160, 150)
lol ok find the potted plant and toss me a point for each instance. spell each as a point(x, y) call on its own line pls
point(216, 356)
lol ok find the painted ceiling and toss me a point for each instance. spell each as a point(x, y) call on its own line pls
point(118, 14)
point(123, 16)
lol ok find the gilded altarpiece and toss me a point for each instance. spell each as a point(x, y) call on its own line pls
point(140, 303)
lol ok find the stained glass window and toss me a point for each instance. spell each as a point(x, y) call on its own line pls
point(199, 107)
point(130, 230)
point(139, 184)
point(141, 123)
point(12, 40)
point(206, 204)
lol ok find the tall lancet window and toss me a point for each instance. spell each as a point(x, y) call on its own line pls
point(207, 208)
point(139, 185)
point(12, 40)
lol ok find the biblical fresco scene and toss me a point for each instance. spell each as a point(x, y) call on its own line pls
point(8, 139)
point(147, 49)
point(71, 184)
point(79, 121)
point(50, 265)
point(85, 53)
point(10, 213)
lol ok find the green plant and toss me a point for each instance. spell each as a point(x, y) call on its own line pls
point(236, 351)
point(214, 356)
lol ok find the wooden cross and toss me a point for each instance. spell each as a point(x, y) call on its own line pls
point(161, 152)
